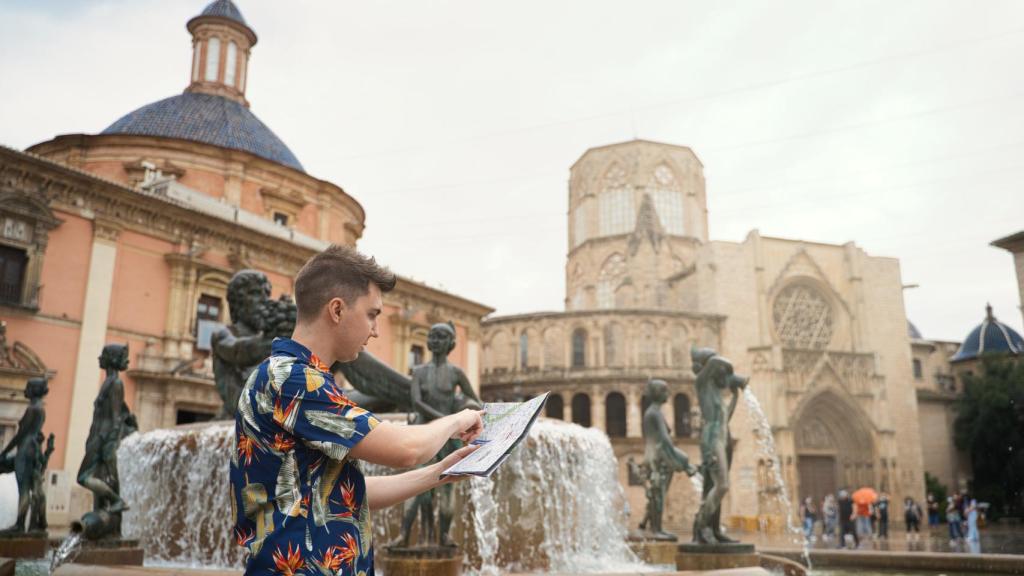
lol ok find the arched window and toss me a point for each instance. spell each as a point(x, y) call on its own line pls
point(212, 59)
point(230, 61)
point(918, 371)
point(554, 407)
point(581, 409)
point(614, 344)
point(524, 351)
point(668, 199)
point(681, 408)
point(611, 273)
point(618, 214)
point(579, 348)
point(615, 415)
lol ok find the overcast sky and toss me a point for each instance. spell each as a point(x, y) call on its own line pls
point(897, 125)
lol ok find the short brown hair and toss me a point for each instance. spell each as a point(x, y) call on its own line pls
point(337, 272)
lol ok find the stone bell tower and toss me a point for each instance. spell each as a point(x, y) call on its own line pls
point(637, 214)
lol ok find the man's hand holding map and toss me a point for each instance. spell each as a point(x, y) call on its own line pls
point(505, 426)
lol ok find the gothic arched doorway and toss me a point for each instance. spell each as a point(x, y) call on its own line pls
point(835, 447)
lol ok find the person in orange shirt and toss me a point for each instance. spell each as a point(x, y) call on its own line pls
point(862, 518)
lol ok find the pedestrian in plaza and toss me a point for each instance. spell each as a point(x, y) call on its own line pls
point(862, 518)
point(882, 509)
point(933, 510)
point(953, 519)
point(807, 512)
point(846, 527)
point(912, 518)
point(829, 518)
point(972, 521)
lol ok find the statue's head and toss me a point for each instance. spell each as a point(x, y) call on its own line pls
point(247, 291)
point(114, 357)
point(37, 387)
point(441, 338)
point(656, 391)
point(699, 357)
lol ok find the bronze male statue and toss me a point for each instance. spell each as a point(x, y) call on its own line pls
point(714, 375)
point(255, 321)
point(661, 460)
point(111, 422)
point(29, 461)
point(437, 389)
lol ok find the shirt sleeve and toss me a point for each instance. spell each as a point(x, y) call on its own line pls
point(317, 412)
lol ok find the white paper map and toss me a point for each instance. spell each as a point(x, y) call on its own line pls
point(505, 425)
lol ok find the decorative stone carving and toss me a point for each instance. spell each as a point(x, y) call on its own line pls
point(803, 318)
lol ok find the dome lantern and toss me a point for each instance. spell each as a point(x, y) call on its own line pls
point(221, 43)
point(989, 337)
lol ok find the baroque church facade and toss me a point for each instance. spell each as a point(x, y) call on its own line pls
point(131, 236)
point(819, 328)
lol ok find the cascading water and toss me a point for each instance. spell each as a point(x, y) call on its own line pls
point(766, 445)
point(556, 504)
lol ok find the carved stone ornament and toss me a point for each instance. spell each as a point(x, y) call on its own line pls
point(803, 318)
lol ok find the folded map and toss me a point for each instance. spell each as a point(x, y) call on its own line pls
point(505, 426)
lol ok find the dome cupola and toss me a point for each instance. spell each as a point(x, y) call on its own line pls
point(989, 337)
point(221, 43)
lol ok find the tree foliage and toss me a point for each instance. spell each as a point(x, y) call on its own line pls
point(990, 427)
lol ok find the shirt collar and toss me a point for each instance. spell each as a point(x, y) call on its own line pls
point(292, 348)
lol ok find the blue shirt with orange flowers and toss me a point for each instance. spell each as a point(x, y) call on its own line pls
point(299, 501)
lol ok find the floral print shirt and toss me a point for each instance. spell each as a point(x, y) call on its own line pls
point(299, 501)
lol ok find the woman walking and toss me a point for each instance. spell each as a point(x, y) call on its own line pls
point(953, 519)
point(807, 512)
point(830, 518)
point(912, 518)
point(972, 521)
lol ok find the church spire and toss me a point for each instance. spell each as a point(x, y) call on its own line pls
point(221, 42)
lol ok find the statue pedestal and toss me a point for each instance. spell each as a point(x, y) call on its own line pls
point(653, 548)
point(421, 561)
point(692, 556)
point(110, 552)
point(24, 545)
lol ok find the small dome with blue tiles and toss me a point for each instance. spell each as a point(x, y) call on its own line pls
point(989, 337)
point(224, 9)
point(209, 119)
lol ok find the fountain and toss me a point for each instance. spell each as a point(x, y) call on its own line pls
point(530, 515)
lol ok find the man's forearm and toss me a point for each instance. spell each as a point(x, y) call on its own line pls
point(385, 491)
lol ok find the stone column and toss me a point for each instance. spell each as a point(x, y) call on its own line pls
point(634, 416)
point(92, 338)
point(597, 415)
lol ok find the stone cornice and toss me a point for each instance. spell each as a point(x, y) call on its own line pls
point(589, 314)
point(281, 175)
point(78, 192)
point(414, 289)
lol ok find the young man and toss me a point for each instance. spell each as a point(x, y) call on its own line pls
point(302, 504)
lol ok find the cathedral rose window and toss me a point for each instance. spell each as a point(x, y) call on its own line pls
point(803, 318)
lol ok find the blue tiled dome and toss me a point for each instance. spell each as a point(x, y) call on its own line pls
point(913, 332)
point(224, 9)
point(208, 119)
point(991, 336)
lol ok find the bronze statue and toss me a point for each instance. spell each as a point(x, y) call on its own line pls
point(240, 347)
point(29, 461)
point(436, 389)
point(714, 374)
point(661, 461)
point(111, 422)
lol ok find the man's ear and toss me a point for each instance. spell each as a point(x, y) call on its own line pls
point(336, 309)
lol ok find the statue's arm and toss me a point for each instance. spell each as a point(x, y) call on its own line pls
point(467, 388)
point(667, 447)
point(244, 351)
point(28, 420)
